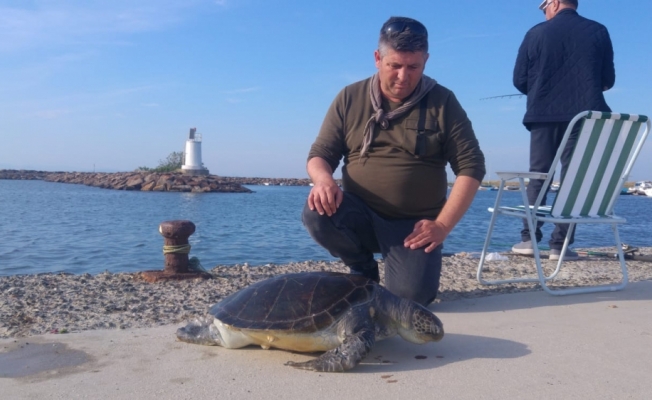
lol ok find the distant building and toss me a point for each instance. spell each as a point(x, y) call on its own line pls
point(192, 164)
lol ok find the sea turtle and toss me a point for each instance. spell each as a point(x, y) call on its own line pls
point(340, 314)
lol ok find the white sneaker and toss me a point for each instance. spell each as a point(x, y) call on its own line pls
point(523, 248)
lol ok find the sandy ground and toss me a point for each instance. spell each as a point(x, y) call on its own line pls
point(527, 345)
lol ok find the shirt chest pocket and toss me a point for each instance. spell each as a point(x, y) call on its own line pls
point(424, 143)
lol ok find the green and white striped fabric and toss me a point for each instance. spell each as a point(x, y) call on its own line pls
point(605, 144)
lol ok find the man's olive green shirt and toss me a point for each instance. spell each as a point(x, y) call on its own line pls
point(390, 178)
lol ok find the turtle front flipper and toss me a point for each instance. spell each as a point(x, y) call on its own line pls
point(201, 331)
point(342, 358)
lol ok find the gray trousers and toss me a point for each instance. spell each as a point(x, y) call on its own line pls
point(355, 232)
point(545, 139)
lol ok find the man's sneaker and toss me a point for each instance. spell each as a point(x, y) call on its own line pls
point(570, 255)
point(523, 248)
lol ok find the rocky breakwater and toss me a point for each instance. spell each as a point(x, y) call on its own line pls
point(268, 181)
point(23, 174)
point(142, 180)
point(149, 182)
point(273, 181)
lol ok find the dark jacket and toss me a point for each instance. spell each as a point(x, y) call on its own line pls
point(563, 66)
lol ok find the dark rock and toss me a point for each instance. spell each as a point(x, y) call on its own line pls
point(148, 186)
point(134, 183)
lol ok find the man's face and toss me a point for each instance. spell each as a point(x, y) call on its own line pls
point(399, 72)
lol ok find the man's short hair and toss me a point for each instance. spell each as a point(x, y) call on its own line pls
point(403, 34)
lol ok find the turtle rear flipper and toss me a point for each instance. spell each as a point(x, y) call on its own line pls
point(342, 358)
point(201, 331)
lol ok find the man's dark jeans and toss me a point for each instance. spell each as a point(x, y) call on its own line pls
point(545, 139)
point(355, 232)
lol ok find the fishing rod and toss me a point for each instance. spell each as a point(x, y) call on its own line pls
point(628, 251)
point(519, 95)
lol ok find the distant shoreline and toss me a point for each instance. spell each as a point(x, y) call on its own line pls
point(152, 181)
point(14, 174)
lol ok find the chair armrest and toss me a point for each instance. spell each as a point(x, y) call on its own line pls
point(513, 175)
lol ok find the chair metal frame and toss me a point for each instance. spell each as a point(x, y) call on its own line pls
point(558, 211)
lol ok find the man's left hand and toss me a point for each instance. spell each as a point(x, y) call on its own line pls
point(426, 233)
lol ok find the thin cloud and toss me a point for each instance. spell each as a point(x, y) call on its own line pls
point(46, 24)
point(463, 37)
point(243, 90)
point(129, 90)
point(352, 78)
point(80, 103)
point(29, 74)
point(50, 114)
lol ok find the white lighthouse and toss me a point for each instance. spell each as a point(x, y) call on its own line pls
point(192, 164)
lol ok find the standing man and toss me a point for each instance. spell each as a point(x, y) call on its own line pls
point(395, 132)
point(563, 66)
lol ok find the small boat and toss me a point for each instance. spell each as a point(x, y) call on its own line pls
point(640, 187)
point(487, 187)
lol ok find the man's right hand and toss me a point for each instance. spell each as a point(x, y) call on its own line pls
point(325, 197)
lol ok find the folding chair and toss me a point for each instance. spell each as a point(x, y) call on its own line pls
point(607, 146)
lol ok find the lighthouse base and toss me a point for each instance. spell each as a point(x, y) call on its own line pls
point(199, 172)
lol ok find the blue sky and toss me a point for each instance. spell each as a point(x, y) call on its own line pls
point(114, 85)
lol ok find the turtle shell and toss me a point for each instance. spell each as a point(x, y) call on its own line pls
point(303, 302)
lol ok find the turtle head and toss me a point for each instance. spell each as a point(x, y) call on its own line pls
point(422, 327)
point(200, 331)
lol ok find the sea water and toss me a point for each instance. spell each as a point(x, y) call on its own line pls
point(55, 227)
